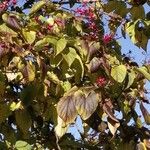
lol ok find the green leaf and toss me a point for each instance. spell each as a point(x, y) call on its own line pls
point(60, 45)
point(131, 76)
point(45, 41)
point(29, 35)
point(70, 55)
point(119, 73)
point(86, 105)
point(22, 145)
point(28, 94)
point(66, 109)
point(29, 72)
point(23, 120)
point(6, 30)
point(9, 133)
point(137, 12)
point(37, 6)
point(53, 77)
point(4, 112)
point(144, 71)
point(119, 7)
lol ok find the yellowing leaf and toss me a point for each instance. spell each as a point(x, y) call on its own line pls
point(113, 126)
point(29, 36)
point(86, 105)
point(66, 109)
point(37, 6)
point(119, 73)
point(141, 146)
point(29, 71)
point(144, 71)
point(61, 127)
point(6, 30)
point(15, 106)
point(50, 21)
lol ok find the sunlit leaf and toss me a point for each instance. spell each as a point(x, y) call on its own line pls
point(60, 45)
point(61, 127)
point(22, 145)
point(29, 36)
point(141, 146)
point(86, 105)
point(113, 126)
point(15, 106)
point(37, 6)
point(119, 73)
point(66, 109)
point(69, 56)
point(144, 71)
point(5, 29)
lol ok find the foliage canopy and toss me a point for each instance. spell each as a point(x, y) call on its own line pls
point(58, 63)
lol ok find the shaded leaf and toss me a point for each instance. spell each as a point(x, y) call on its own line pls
point(119, 73)
point(145, 113)
point(4, 112)
point(86, 105)
point(131, 76)
point(107, 107)
point(137, 12)
point(23, 120)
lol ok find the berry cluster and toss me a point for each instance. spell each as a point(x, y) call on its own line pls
point(88, 15)
point(101, 81)
point(6, 3)
point(107, 38)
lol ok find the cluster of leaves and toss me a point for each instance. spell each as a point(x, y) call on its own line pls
point(53, 70)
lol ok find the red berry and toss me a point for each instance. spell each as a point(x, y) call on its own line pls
point(101, 81)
